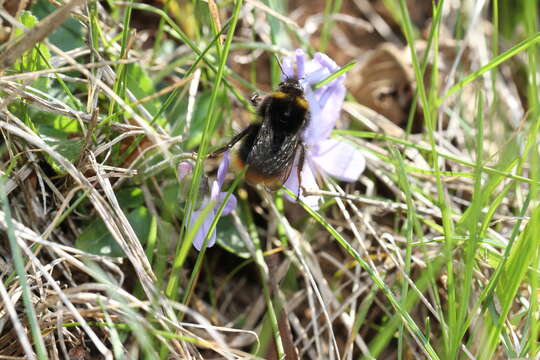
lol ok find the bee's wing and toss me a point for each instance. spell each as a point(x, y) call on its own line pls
point(284, 175)
point(281, 157)
point(276, 146)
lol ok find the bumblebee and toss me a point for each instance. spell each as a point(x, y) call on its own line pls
point(269, 147)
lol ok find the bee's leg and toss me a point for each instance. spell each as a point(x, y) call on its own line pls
point(255, 99)
point(233, 141)
point(300, 167)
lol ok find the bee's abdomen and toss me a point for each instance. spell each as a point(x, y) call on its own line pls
point(254, 176)
point(268, 156)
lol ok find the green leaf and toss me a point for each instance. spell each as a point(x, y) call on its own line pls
point(96, 238)
point(169, 203)
point(28, 20)
point(142, 86)
point(60, 132)
point(65, 125)
point(60, 141)
point(130, 198)
point(228, 238)
point(68, 36)
point(36, 59)
point(200, 112)
point(176, 115)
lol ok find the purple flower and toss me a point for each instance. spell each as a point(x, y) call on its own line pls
point(324, 155)
point(218, 197)
point(184, 169)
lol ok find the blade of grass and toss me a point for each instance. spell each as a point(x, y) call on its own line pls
point(197, 172)
point(264, 274)
point(472, 231)
point(530, 14)
point(505, 56)
point(489, 170)
point(196, 269)
point(330, 8)
point(335, 75)
point(437, 18)
point(173, 96)
point(210, 118)
point(177, 32)
point(160, 31)
point(512, 276)
point(427, 101)
point(18, 262)
point(388, 331)
point(373, 274)
point(409, 233)
point(120, 83)
point(277, 35)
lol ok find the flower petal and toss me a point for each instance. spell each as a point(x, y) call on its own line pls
point(320, 67)
point(323, 119)
point(331, 108)
point(315, 130)
point(339, 159)
point(183, 169)
point(324, 106)
point(315, 75)
point(215, 190)
point(198, 239)
point(223, 168)
point(229, 206)
point(326, 62)
point(333, 94)
point(308, 182)
point(300, 62)
point(287, 68)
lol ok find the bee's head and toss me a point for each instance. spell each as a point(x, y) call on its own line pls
point(291, 86)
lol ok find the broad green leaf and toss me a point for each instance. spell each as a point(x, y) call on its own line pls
point(228, 238)
point(169, 204)
point(68, 147)
point(68, 36)
point(200, 112)
point(130, 198)
point(142, 86)
point(35, 59)
point(96, 238)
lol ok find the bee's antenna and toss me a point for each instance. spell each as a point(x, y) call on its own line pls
point(279, 63)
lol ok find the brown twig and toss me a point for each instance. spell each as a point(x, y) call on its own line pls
point(36, 34)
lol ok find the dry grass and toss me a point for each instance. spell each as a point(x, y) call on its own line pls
point(417, 247)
